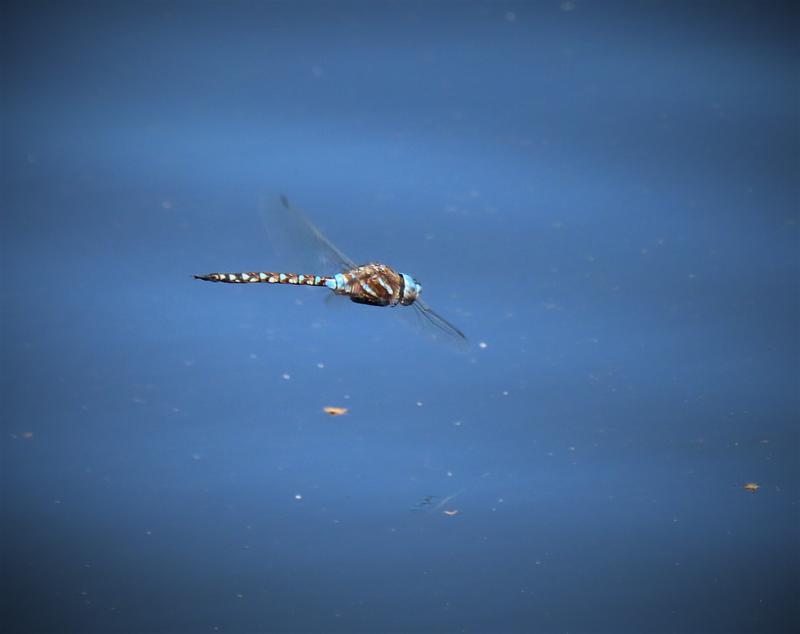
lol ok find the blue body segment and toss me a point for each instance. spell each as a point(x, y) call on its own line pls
point(337, 283)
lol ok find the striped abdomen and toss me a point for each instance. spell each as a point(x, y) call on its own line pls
point(266, 278)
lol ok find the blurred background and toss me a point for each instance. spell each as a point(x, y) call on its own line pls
point(602, 195)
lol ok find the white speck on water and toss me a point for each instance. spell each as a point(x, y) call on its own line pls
point(253, 356)
point(457, 423)
point(320, 365)
point(449, 474)
point(483, 344)
point(419, 403)
point(286, 376)
point(298, 496)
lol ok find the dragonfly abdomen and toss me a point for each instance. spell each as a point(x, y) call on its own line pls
point(267, 277)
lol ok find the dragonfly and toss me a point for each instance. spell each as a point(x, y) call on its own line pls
point(373, 284)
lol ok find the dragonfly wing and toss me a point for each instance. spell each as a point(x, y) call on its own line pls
point(438, 326)
point(300, 246)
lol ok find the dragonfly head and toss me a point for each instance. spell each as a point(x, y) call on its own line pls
point(411, 290)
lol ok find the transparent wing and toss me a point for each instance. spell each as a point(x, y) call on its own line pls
point(300, 247)
point(438, 327)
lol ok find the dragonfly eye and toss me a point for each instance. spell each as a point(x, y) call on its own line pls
point(411, 290)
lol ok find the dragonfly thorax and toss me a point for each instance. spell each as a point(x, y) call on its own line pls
point(377, 285)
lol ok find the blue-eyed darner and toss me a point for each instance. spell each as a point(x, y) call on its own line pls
point(373, 284)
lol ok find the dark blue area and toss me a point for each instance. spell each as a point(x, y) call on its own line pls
point(604, 194)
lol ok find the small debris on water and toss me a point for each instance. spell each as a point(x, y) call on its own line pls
point(335, 411)
point(451, 513)
point(751, 486)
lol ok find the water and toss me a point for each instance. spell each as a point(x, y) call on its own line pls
point(603, 194)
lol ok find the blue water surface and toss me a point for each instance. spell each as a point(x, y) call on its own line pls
point(602, 195)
